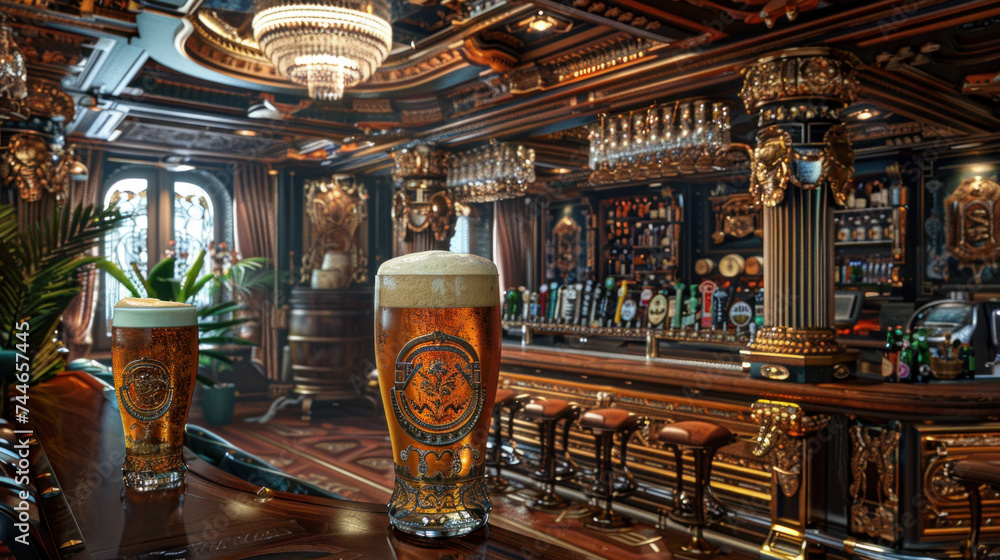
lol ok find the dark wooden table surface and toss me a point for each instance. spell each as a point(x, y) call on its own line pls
point(76, 421)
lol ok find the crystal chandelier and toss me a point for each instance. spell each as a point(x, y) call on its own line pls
point(13, 75)
point(325, 45)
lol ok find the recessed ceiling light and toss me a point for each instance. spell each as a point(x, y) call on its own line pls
point(864, 115)
point(561, 170)
point(245, 132)
point(541, 22)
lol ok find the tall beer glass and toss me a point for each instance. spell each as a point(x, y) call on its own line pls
point(437, 346)
point(154, 357)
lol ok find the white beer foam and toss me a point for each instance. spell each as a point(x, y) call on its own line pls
point(437, 279)
point(153, 314)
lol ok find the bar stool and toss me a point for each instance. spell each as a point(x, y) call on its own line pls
point(510, 401)
point(548, 413)
point(604, 424)
point(702, 439)
point(974, 472)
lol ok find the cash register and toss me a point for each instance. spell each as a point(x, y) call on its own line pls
point(975, 323)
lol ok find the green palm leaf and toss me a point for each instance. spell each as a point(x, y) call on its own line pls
point(38, 275)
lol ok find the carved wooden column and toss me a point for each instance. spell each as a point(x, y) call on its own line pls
point(802, 165)
point(784, 436)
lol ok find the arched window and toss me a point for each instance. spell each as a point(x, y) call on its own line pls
point(178, 213)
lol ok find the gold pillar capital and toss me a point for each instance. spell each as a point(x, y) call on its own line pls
point(811, 73)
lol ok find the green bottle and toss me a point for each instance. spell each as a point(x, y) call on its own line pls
point(903, 368)
point(890, 358)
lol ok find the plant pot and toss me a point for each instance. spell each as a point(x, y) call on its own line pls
point(218, 403)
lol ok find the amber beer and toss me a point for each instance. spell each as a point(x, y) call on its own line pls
point(154, 357)
point(437, 345)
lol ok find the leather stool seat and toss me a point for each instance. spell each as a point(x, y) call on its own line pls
point(981, 468)
point(694, 433)
point(542, 409)
point(612, 419)
point(504, 397)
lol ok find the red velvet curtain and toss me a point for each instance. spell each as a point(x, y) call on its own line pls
point(256, 223)
point(78, 319)
point(514, 232)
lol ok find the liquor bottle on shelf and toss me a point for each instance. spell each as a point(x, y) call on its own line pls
point(905, 365)
point(758, 308)
point(968, 358)
point(695, 305)
point(890, 357)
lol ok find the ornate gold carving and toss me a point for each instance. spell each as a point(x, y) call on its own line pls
point(495, 49)
point(566, 235)
point(337, 208)
point(33, 165)
point(817, 73)
point(972, 224)
point(787, 340)
point(736, 216)
point(875, 449)
point(771, 168)
point(837, 172)
point(781, 429)
point(437, 213)
point(46, 99)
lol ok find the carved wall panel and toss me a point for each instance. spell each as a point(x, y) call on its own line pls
point(874, 481)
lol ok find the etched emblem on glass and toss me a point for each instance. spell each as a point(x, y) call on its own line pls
point(438, 394)
point(146, 392)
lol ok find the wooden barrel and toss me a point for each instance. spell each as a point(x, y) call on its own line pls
point(330, 338)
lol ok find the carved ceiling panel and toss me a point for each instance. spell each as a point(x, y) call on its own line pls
point(201, 140)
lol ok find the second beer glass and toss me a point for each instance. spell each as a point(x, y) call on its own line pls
point(154, 357)
point(437, 346)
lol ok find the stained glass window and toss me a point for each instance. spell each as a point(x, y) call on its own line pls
point(128, 243)
point(194, 229)
point(194, 225)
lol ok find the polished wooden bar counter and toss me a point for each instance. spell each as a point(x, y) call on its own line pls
point(857, 468)
point(76, 460)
